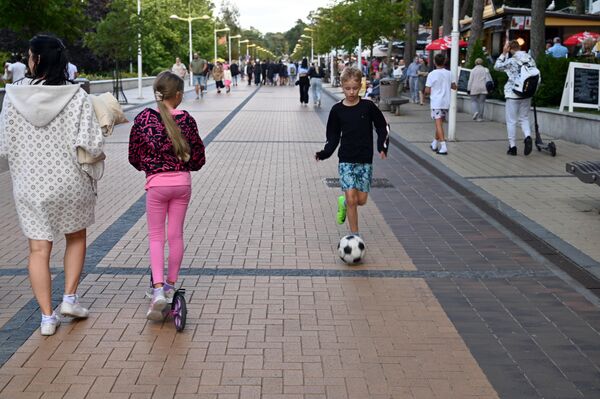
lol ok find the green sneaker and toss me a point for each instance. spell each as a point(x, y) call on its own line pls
point(341, 213)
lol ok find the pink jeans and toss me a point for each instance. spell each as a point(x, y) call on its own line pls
point(160, 202)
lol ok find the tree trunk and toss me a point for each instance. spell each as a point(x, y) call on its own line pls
point(448, 9)
point(435, 26)
point(538, 27)
point(580, 6)
point(476, 25)
point(466, 6)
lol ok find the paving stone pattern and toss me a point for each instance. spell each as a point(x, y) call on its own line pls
point(484, 319)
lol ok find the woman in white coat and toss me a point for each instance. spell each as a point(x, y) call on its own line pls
point(43, 121)
point(477, 89)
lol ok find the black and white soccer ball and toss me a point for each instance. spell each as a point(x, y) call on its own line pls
point(351, 249)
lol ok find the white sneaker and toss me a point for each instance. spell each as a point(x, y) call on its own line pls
point(434, 145)
point(443, 150)
point(475, 115)
point(169, 293)
point(159, 301)
point(74, 309)
point(49, 327)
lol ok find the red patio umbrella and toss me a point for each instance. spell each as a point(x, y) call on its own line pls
point(444, 43)
point(578, 38)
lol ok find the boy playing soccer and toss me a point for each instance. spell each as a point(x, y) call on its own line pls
point(438, 85)
point(351, 124)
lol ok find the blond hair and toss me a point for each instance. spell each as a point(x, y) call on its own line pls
point(351, 72)
point(166, 86)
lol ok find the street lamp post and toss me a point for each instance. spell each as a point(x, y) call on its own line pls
point(139, 58)
point(360, 46)
point(246, 42)
point(454, 71)
point(218, 30)
point(189, 20)
point(234, 37)
point(312, 47)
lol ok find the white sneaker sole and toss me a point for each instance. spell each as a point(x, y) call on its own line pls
point(155, 313)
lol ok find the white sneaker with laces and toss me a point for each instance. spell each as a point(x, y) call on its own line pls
point(475, 115)
point(74, 309)
point(49, 327)
point(169, 293)
point(158, 303)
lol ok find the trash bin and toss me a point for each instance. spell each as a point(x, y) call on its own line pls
point(84, 83)
point(387, 88)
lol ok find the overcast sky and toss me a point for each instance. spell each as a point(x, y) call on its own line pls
point(273, 16)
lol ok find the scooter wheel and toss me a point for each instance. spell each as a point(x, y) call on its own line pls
point(179, 311)
point(552, 148)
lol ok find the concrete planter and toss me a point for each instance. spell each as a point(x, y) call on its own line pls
point(102, 86)
point(573, 127)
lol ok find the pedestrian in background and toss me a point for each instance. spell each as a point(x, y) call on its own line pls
point(227, 78)
point(292, 72)
point(350, 124)
point(516, 108)
point(303, 82)
point(438, 86)
point(178, 68)
point(54, 197)
point(165, 144)
point(412, 73)
point(199, 71)
point(72, 71)
point(258, 71)
point(217, 73)
point(422, 73)
point(558, 50)
point(249, 72)
point(16, 70)
point(235, 72)
point(316, 74)
point(477, 88)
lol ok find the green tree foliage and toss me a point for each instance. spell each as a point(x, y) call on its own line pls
point(341, 25)
point(163, 38)
point(64, 18)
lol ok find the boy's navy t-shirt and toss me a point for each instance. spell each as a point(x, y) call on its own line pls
point(352, 128)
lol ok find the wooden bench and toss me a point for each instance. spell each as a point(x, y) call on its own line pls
point(586, 171)
point(395, 103)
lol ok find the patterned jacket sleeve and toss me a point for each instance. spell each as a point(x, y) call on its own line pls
point(89, 137)
point(197, 156)
point(135, 141)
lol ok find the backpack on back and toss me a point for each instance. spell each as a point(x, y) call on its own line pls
point(528, 81)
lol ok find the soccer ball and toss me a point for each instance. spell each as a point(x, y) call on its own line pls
point(351, 249)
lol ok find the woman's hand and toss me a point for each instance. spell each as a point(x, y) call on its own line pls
point(506, 48)
point(383, 155)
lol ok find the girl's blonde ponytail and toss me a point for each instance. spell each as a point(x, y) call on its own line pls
point(166, 86)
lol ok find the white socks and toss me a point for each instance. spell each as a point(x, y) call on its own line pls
point(70, 299)
point(442, 147)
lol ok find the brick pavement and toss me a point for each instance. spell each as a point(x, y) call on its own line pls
point(447, 306)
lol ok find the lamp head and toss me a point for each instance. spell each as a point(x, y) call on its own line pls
point(174, 16)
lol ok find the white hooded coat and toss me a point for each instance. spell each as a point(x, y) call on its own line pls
point(40, 130)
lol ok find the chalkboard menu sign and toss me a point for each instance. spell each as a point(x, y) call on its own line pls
point(463, 80)
point(585, 86)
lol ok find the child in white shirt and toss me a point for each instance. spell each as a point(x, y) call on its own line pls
point(438, 85)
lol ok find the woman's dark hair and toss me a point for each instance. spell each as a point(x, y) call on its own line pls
point(304, 63)
point(51, 59)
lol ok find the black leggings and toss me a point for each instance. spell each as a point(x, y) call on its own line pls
point(304, 85)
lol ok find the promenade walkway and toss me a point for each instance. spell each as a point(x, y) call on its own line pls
point(448, 304)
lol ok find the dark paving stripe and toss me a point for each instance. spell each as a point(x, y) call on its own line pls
point(20, 327)
point(516, 177)
point(383, 273)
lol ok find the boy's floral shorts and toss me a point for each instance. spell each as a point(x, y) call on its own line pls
point(355, 175)
point(439, 113)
